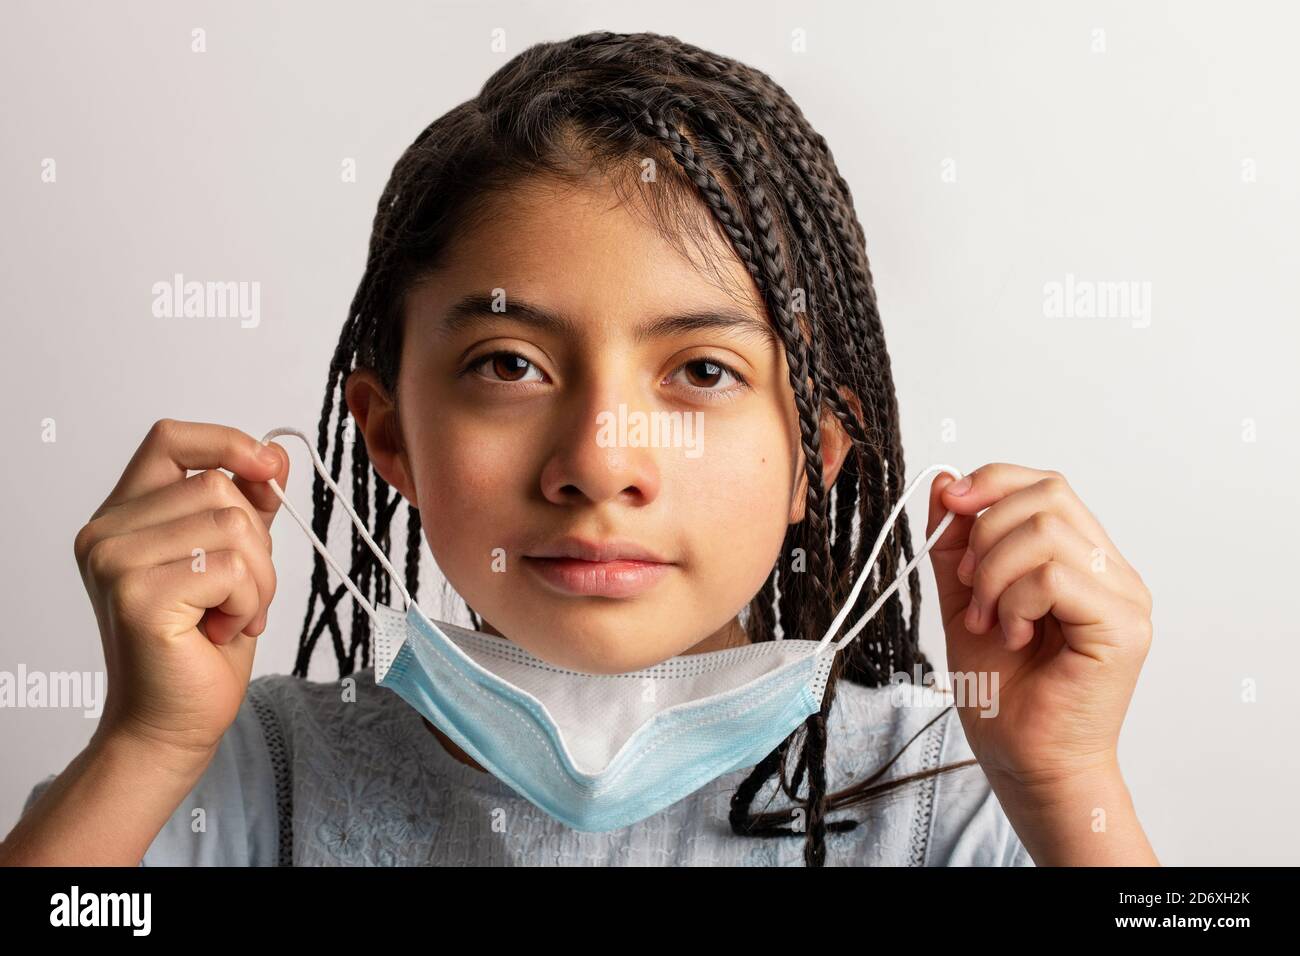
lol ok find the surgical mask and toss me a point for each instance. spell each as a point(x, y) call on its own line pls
point(601, 751)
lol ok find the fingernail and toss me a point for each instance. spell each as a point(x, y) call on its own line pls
point(960, 487)
point(269, 456)
point(972, 615)
point(966, 567)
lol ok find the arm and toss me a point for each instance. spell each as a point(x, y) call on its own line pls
point(178, 636)
point(107, 806)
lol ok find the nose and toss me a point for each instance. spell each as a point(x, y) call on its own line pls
point(593, 460)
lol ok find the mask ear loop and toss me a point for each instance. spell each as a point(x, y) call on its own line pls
point(871, 563)
point(356, 521)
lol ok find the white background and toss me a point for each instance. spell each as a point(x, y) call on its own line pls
point(1122, 165)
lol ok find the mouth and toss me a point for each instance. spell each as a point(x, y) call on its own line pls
point(599, 578)
point(615, 569)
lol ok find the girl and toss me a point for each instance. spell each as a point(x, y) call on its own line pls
point(615, 224)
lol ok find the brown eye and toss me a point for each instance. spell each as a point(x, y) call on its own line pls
point(509, 366)
point(505, 367)
point(709, 379)
point(705, 373)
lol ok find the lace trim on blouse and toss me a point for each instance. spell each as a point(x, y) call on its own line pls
point(275, 744)
point(925, 796)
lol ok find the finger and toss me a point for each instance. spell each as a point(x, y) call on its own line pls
point(241, 609)
point(946, 554)
point(174, 447)
point(1051, 494)
point(258, 624)
point(205, 491)
point(192, 538)
point(260, 494)
point(1094, 621)
point(1043, 537)
point(989, 484)
point(225, 585)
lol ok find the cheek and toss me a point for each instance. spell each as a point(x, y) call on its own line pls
point(465, 489)
point(734, 506)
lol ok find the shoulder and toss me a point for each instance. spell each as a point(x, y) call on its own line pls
point(230, 817)
point(240, 812)
point(969, 827)
point(369, 784)
point(317, 717)
point(868, 726)
point(956, 819)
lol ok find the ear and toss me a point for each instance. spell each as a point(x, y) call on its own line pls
point(835, 448)
point(375, 415)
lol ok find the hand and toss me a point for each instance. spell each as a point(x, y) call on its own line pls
point(1045, 600)
point(179, 573)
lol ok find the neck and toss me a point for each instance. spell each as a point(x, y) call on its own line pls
point(451, 748)
point(732, 634)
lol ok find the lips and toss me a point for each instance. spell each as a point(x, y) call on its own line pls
point(611, 568)
point(618, 579)
point(585, 549)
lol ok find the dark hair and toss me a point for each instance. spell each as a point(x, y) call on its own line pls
point(726, 135)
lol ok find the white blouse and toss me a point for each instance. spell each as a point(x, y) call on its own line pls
point(307, 776)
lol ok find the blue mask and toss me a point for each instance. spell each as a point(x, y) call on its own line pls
point(602, 751)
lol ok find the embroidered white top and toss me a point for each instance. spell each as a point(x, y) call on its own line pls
point(308, 776)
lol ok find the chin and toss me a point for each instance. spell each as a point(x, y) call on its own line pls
point(593, 649)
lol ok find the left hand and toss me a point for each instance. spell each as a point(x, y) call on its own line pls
point(1058, 613)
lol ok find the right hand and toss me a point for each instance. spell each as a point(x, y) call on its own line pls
point(178, 628)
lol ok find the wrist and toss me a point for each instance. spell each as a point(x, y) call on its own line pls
point(1056, 784)
point(123, 747)
point(1080, 817)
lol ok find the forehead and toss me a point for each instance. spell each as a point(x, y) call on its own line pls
point(589, 246)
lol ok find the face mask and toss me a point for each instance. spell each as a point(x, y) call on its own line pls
point(601, 751)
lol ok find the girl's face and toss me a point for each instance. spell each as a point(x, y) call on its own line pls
point(557, 323)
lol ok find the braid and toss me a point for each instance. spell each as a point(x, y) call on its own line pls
point(815, 754)
point(413, 551)
point(731, 142)
point(360, 496)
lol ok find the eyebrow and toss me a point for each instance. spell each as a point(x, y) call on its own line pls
point(477, 308)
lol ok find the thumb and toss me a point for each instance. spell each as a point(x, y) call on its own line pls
point(260, 494)
point(947, 552)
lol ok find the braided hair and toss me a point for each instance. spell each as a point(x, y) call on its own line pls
point(726, 136)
